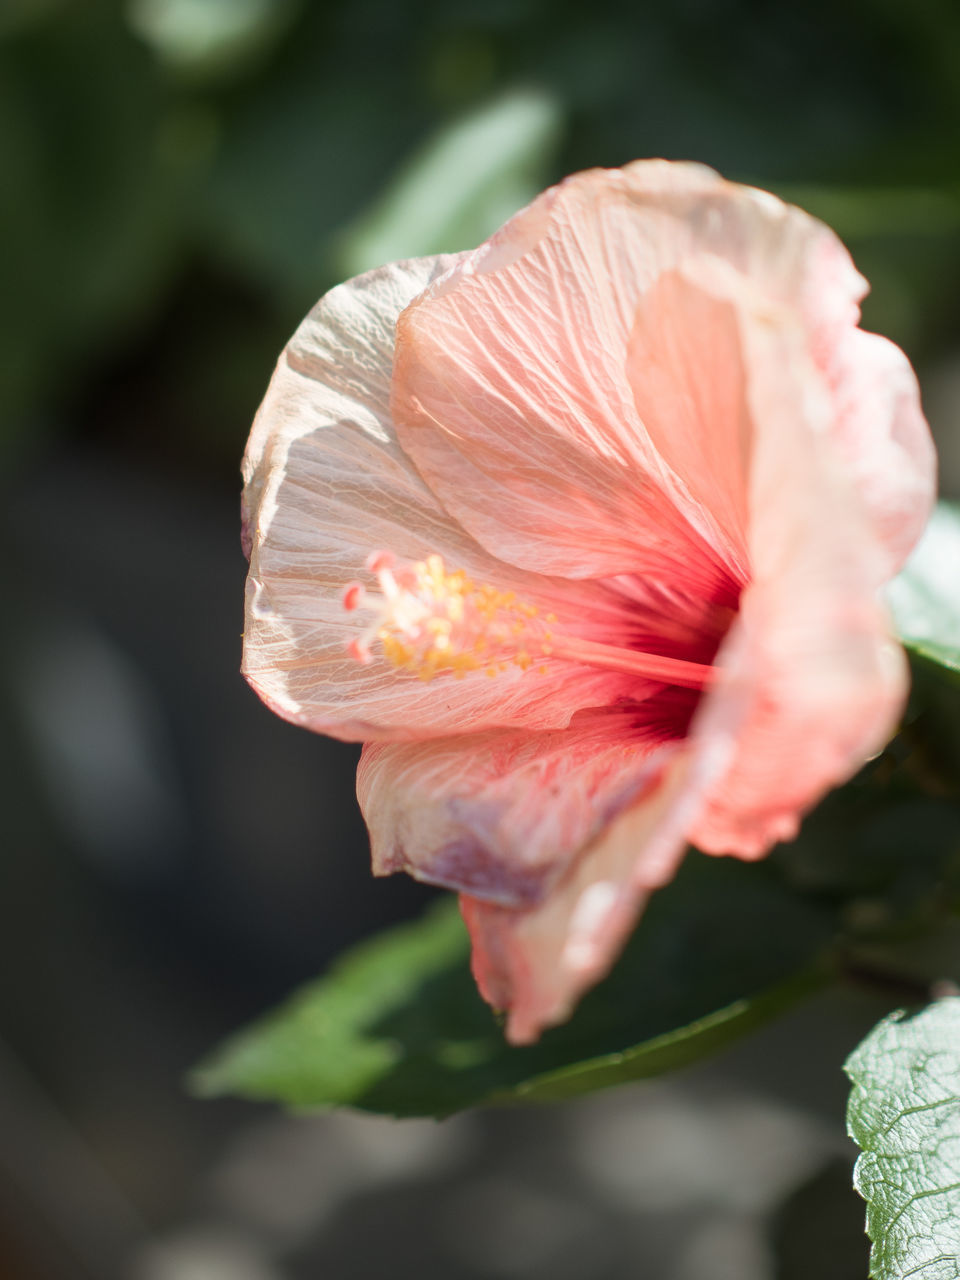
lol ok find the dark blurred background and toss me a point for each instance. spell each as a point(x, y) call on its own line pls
point(179, 180)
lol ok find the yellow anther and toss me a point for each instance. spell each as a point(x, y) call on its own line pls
point(430, 622)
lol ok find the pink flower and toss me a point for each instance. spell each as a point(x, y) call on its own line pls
point(632, 479)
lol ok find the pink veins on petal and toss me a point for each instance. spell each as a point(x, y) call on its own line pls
point(642, 479)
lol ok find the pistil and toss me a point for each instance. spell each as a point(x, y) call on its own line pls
point(430, 622)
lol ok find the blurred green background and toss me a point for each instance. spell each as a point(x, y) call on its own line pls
point(182, 178)
point(179, 181)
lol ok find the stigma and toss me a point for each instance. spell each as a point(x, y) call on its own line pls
point(430, 622)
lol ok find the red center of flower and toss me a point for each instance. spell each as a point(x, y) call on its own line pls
point(431, 622)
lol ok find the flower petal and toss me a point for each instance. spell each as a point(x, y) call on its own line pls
point(326, 484)
point(536, 963)
point(883, 439)
point(502, 814)
point(510, 392)
point(814, 683)
point(729, 389)
point(684, 365)
point(811, 683)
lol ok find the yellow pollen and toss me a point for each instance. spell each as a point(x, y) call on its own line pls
point(433, 622)
point(430, 622)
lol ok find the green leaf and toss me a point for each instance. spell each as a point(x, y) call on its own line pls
point(904, 1114)
point(397, 1026)
point(925, 598)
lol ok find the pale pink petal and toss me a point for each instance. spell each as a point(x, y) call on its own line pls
point(883, 439)
point(510, 388)
point(811, 683)
point(536, 962)
point(729, 389)
point(501, 814)
point(511, 394)
point(327, 483)
point(684, 364)
point(687, 380)
point(814, 683)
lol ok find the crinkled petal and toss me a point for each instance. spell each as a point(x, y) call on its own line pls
point(502, 814)
point(883, 439)
point(536, 963)
point(729, 388)
point(326, 484)
point(814, 682)
point(811, 683)
point(556, 839)
point(684, 365)
point(511, 395)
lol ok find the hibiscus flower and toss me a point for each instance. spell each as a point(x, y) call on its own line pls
point(582, 534)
